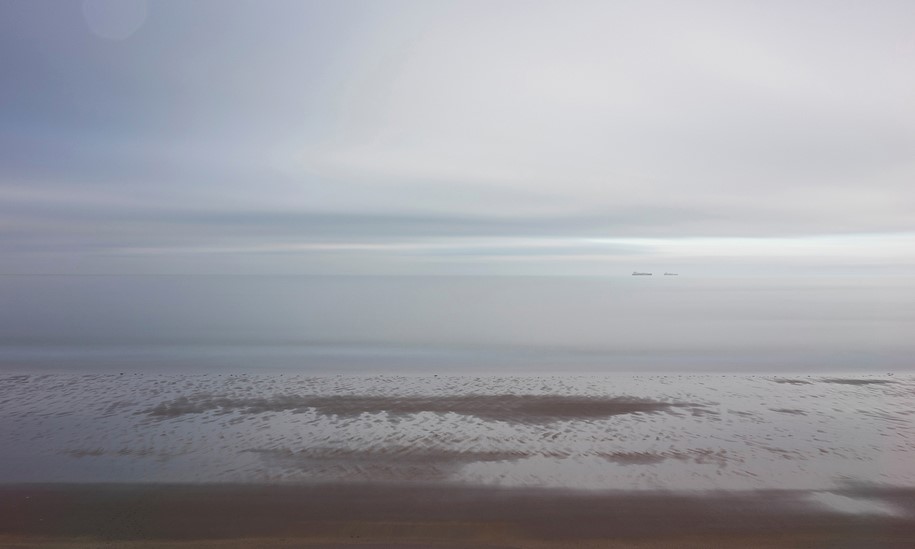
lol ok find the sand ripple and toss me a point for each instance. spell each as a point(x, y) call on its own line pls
point(598, 432)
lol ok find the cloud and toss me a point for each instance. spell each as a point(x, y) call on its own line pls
point(224, 126)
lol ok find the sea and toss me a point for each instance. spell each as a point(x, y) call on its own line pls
point(600, 383)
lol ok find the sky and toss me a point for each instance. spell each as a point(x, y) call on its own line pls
point(452, 138)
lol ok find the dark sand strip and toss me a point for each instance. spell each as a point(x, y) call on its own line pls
point(844, 381)
point(511, 408)
point(411, 516)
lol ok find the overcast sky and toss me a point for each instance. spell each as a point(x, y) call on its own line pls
point(424, 137)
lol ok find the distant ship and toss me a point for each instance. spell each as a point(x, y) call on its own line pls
point(671, 274)
point(636, 273)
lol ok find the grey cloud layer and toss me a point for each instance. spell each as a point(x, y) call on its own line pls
point(234, 127)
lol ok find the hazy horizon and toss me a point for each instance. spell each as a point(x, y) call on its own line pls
point(454, 325)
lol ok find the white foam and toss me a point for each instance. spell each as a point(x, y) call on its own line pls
point(854, 506)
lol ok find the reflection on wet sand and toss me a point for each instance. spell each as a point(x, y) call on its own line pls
point(528, 462)
point(691, 432)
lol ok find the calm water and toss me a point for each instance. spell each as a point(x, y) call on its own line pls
point(451, 325)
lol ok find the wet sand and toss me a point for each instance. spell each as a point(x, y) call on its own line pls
point(376, 516)
point(449, 462)
point(608, 432)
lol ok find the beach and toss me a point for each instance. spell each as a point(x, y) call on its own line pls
point(410, 516)
point(284, 460)
point(590, 432)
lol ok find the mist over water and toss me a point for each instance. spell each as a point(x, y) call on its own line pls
point(320, 325)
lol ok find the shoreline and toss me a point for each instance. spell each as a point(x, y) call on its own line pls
point(405, 515)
